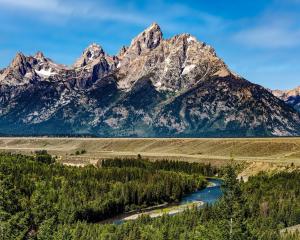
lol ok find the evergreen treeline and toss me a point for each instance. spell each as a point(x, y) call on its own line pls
point(255, 210)
point(167, 165)
point(35, 192)
point(50, 201)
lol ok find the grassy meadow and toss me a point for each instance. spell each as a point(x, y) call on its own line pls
point(258, 153)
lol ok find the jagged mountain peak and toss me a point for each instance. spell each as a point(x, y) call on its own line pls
point(182, 58)
point(153, 25)
point(39, 55)
point(154, 28)
point(155, 87)
point(19, 72)
point(40, 59)
point(19, 59)
point(91, 53)
point(20, 65)
point(95, 49)
point(149, 39)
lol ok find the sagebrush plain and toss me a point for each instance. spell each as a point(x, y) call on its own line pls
point(278, 151)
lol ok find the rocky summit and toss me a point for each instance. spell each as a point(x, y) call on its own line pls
point(155, 87)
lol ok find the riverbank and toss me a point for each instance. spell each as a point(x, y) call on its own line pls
point(168, 211)
point(208, 195)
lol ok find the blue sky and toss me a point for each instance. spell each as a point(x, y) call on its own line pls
point(258, 39)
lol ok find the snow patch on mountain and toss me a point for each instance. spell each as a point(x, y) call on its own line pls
point(187, 69)
point(191, 39)
point(45, 72)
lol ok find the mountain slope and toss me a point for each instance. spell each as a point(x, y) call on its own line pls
point(155, 87)
point(291, 97)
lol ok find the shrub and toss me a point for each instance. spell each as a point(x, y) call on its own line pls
point(44, 157)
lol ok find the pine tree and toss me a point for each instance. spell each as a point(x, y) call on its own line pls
point(233, 204)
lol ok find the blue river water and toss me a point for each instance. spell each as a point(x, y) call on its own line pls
point(208, 195)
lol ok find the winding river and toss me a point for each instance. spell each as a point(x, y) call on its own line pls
point(209, 195)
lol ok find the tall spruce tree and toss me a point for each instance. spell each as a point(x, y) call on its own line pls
point(234, 205)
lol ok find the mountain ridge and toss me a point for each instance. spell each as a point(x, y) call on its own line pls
point(291, 97)
point(155, 87)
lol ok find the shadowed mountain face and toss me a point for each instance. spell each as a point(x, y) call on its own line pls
point(153, 88)
point(291, 97)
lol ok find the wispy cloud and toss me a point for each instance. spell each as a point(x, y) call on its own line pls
point(271, 30)
point(104, 11)
point(269, 37)
point(53, 6)
point(78, 9)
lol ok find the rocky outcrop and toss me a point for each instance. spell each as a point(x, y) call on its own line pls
point(154, 87)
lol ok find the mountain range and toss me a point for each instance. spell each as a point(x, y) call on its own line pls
point(291, 97)
point(156, 87)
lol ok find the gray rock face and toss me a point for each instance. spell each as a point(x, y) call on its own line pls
point(153, 88)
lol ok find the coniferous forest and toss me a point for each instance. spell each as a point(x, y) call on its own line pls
point(41, 199)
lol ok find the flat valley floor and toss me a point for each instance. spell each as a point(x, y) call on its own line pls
point(258, 153)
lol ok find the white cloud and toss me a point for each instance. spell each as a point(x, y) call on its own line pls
point(265, 36)
point(165, 13)
point(38, 5)
point(78, 9)
point(271, 30)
